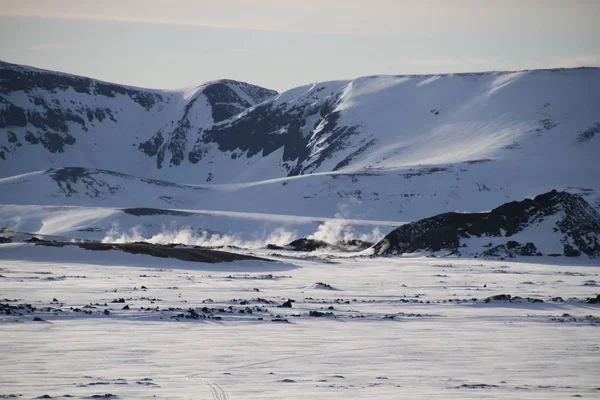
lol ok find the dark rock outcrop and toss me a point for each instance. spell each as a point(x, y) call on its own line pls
point(578, 226)
point(304, 244)
point(158, 250)
point(274, 125)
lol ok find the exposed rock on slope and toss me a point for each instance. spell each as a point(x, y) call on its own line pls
point(83, 117)
point(162, 251)
point(306, 244)
point(225, 99)
point(573, 223)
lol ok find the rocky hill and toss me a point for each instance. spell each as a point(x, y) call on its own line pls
point(551, 223)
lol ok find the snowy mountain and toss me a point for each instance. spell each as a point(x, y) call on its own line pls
point(548, 222)
point(51, 119)
point(380, 148)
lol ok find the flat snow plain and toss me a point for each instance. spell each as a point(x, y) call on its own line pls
point(400, 327)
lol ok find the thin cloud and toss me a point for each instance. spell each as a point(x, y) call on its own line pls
point(586, 60)
point(125, 18)
point(448, 62)
point(255, 18)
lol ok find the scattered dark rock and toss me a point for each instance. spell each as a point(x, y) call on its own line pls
point(315, 313)
point(512, 299)
point(501, 297)
point(566, 318)
point(37, 319)
point(192, 314)
point(4, 239)
point(286, 304)
point(511, 249)
point(593, 300)
point(476, 386)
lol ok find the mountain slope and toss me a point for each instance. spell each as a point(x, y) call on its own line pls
point(52, 119)
point(390, 122)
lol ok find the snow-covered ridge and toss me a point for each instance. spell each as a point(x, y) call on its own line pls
point(52, 119)
point(227, 131)
point(386, 148)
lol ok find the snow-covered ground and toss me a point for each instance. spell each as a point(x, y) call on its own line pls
point(411, 327)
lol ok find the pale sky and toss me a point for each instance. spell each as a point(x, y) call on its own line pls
point(281, 44)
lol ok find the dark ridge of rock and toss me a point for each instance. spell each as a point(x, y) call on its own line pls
point(304, 244)
point(512, 299)
point(158, 250)
point(144, 211)
point(356, 244)
point(578, 224)
point(5, 239)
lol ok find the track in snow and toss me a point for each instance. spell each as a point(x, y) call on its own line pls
point(217, 391)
